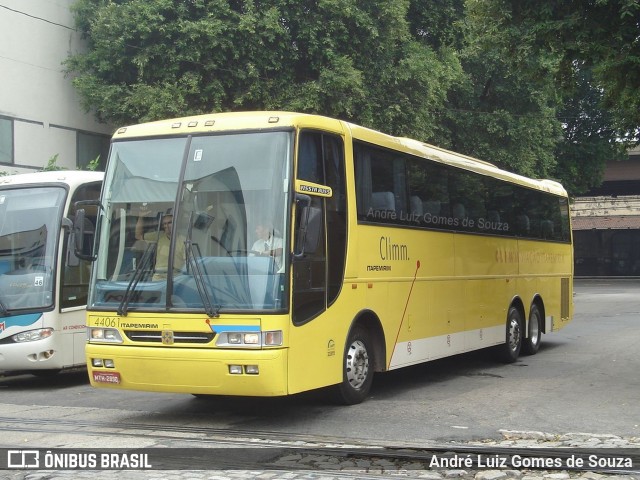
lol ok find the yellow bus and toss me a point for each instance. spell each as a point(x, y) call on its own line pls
point(270, 253)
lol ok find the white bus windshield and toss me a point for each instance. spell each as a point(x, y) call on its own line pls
point(193, 223)
point(29, 230)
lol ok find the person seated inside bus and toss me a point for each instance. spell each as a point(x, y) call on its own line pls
point(268, 244)
point(163, 243)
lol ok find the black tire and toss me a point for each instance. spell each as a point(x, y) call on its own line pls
point(357, 368)
point(510, 350)
point(531, 344)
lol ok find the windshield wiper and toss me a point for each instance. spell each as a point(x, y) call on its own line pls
point(192, 252)
point(139, 272)
point(191, 249)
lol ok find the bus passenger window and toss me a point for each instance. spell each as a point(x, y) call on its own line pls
point(383, 201)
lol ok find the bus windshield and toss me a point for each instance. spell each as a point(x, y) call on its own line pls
point(29, 223)
point(192, 223)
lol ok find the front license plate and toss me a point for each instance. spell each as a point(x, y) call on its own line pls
point(106, 377)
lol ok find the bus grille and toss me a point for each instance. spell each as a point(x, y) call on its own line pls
point(178, 337)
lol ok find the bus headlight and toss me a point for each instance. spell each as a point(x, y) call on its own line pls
point(234, 338)
point(271, 338)
point(33, 335)
point(103, 335)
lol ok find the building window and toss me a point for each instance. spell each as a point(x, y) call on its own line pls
point(90, 147)
point(6, 140)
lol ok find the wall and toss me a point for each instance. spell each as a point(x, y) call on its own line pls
point(36, 36)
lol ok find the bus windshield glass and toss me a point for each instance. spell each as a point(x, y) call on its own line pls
point(29, 222)
point(193, 223)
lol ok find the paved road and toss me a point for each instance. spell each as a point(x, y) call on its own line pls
point(585, 378)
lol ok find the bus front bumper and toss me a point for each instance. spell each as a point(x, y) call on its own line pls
point(32, 356)
point(186, 370)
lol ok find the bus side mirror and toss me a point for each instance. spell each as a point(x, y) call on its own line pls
point(309, 226)
point(82, 228)
point(84, 231)
point(72, 259)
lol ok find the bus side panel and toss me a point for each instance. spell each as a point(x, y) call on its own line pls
point(546, 270)
point(486, 266)
point(73, 325)
point(316, 351)
point(418, 308)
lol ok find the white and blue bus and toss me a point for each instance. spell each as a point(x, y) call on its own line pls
point(43, 284)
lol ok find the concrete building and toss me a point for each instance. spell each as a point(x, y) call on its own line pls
point(606, 223)
point(40, 112)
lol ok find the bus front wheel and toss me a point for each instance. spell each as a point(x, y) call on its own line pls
point(357, 375)
point(531, 344)
point(510, 350)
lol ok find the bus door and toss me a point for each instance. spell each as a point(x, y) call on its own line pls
point(319, 259)
point(74, 281)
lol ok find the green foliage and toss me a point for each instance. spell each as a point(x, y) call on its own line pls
point(602, 35)
point(94, 164)
point(541, 59)
point(590, 136)
point(52, 164)
point(352, 60)
point(505, 111)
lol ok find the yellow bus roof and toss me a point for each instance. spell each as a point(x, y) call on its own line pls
point(264, 120)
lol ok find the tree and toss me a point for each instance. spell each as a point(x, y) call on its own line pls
point(352, 60)
point(502, 113)
point(556, 90)
point(590, 136)
point(604, 35)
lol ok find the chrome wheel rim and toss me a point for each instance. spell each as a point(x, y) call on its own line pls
point(357, 364)
point(514, 334)
point(534, 330)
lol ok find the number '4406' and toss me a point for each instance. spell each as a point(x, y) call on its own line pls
point(105, 322)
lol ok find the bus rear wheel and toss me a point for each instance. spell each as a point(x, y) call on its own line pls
point(357, 364)
point(531, 344)
point(510, 350)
